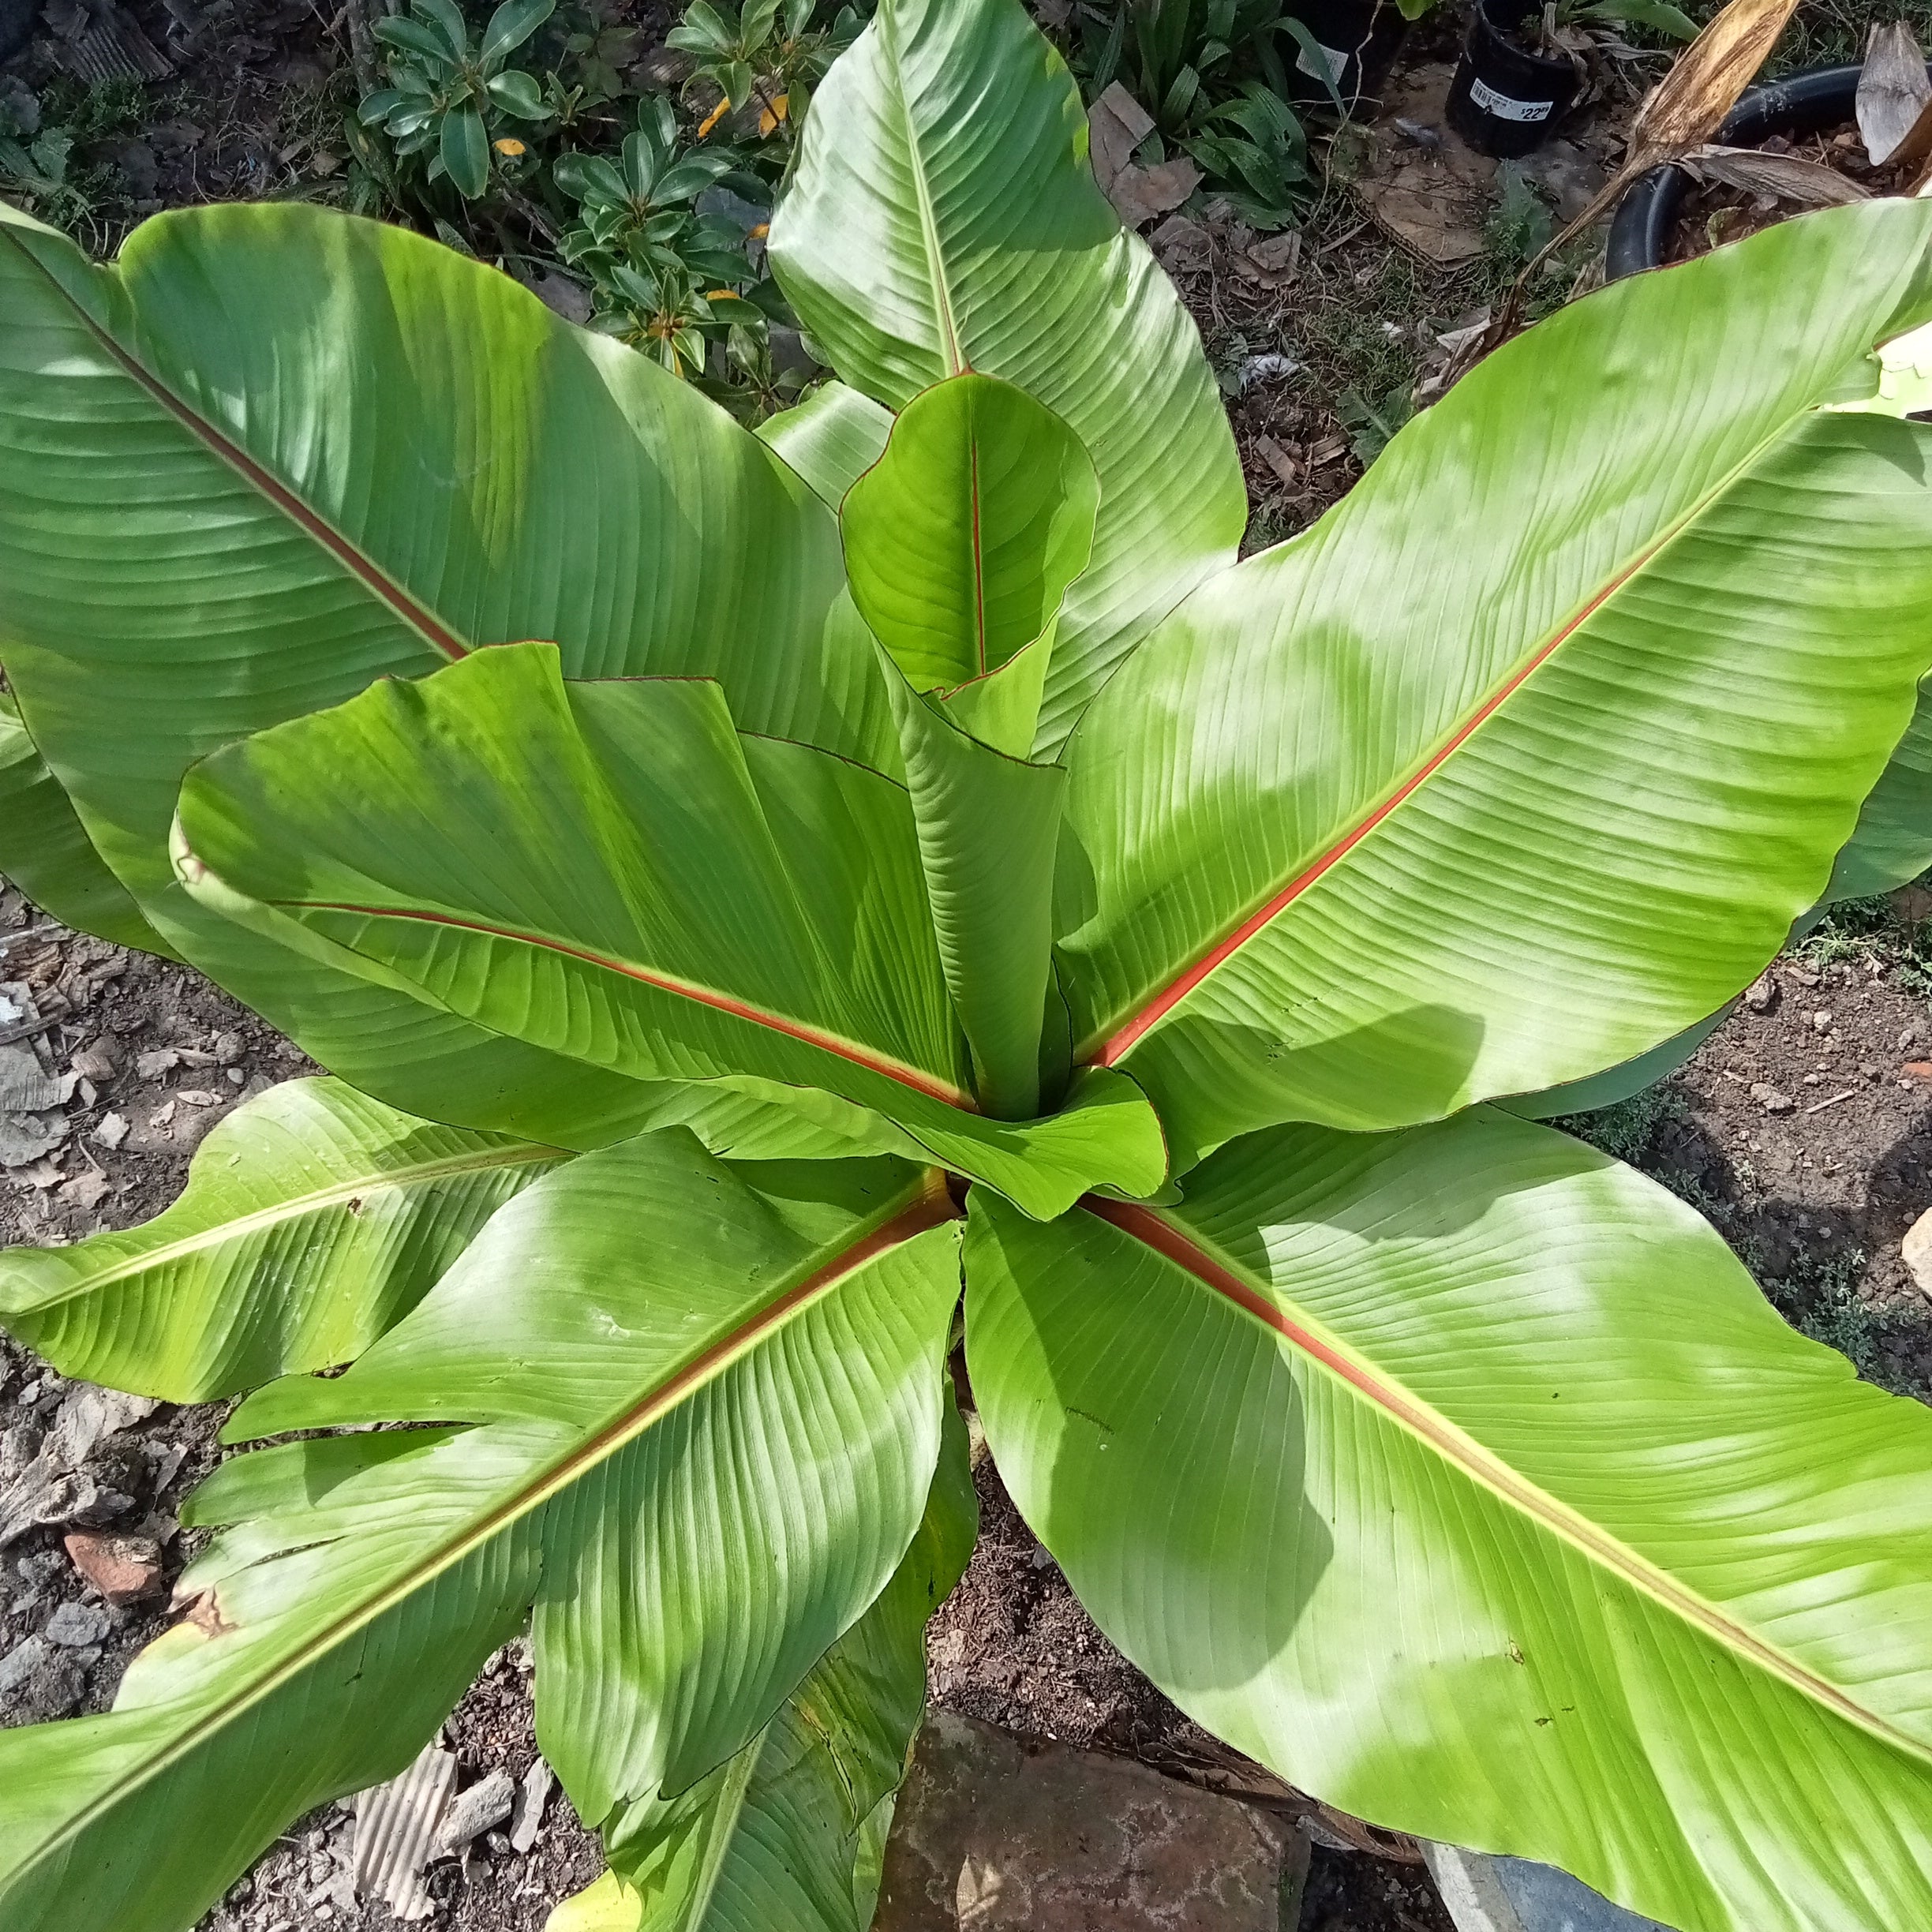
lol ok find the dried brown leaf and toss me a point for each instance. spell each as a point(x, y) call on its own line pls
point(1117, 124)
point(1893, 90)
point(1789, 177)
point(1691, 102)
point(1916, 149)
point(1140, 194)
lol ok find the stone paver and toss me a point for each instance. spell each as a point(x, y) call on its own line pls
point(994, 1833)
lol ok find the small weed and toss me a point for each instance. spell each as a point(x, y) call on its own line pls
point(1818, 1295)
point(1627, 1130)
point(97, 112)
point(1865, 931)
point(1371, 422)
point(1520, 226)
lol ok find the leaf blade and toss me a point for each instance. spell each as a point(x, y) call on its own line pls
point(897, 245)
point(1396, 1362)
point(363, 1577)
point(592, 920)
point(136, 401)
point(1567, 689)
point(313, 1219)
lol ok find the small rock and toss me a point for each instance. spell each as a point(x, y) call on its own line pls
point(1821, 1021)
point(1910, 1035)
point(484, 1805)
point(20, 1442)
point(112, 1130)
point(39, 1682)
point(1761, 994)
point(86, 1191)
point(72, 1626)
point(1870, 1069)
point(96, 1062)
point(1769, 1099)
point(497, 1844)
point(1916, 1249)
point(228, 1048)
point(200, 1097)
point(20, 1663)
point(123, 1568)
point(152, 1066)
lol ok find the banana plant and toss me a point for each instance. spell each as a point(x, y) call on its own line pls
point(756, 893)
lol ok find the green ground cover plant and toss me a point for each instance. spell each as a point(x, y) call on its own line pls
point(758, 895)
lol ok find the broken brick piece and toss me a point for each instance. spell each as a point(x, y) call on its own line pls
point(123, 1568)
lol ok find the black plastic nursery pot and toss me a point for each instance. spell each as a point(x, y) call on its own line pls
point(1357, 40)
point(1802, 103)
point(1504, 100)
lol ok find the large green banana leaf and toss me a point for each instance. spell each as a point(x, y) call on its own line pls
point(741, 1371)
point(273, 454)
point(831, 439)
point(608, 870)
point(314, 1219)
point(1893, 842)
point(1463, 1476)
point(943, 217)
point(776, 1839)
point(1522, 760)
point(46, 852)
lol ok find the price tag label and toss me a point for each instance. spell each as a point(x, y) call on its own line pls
point(1504, 107)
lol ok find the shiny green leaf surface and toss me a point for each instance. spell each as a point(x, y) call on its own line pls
point(943, 217)
point(628, 882)
point(273, 454)
point(314, 1219)
point(1463, 1476)
point(988, 827)
point(962, 540)
point(831, 439)
point(770, 1841)
point(764, 1374)
point(46, 852)
point(1522, 760)
point(1892, 844)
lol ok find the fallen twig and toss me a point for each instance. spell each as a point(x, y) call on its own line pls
point(1832, 1102)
